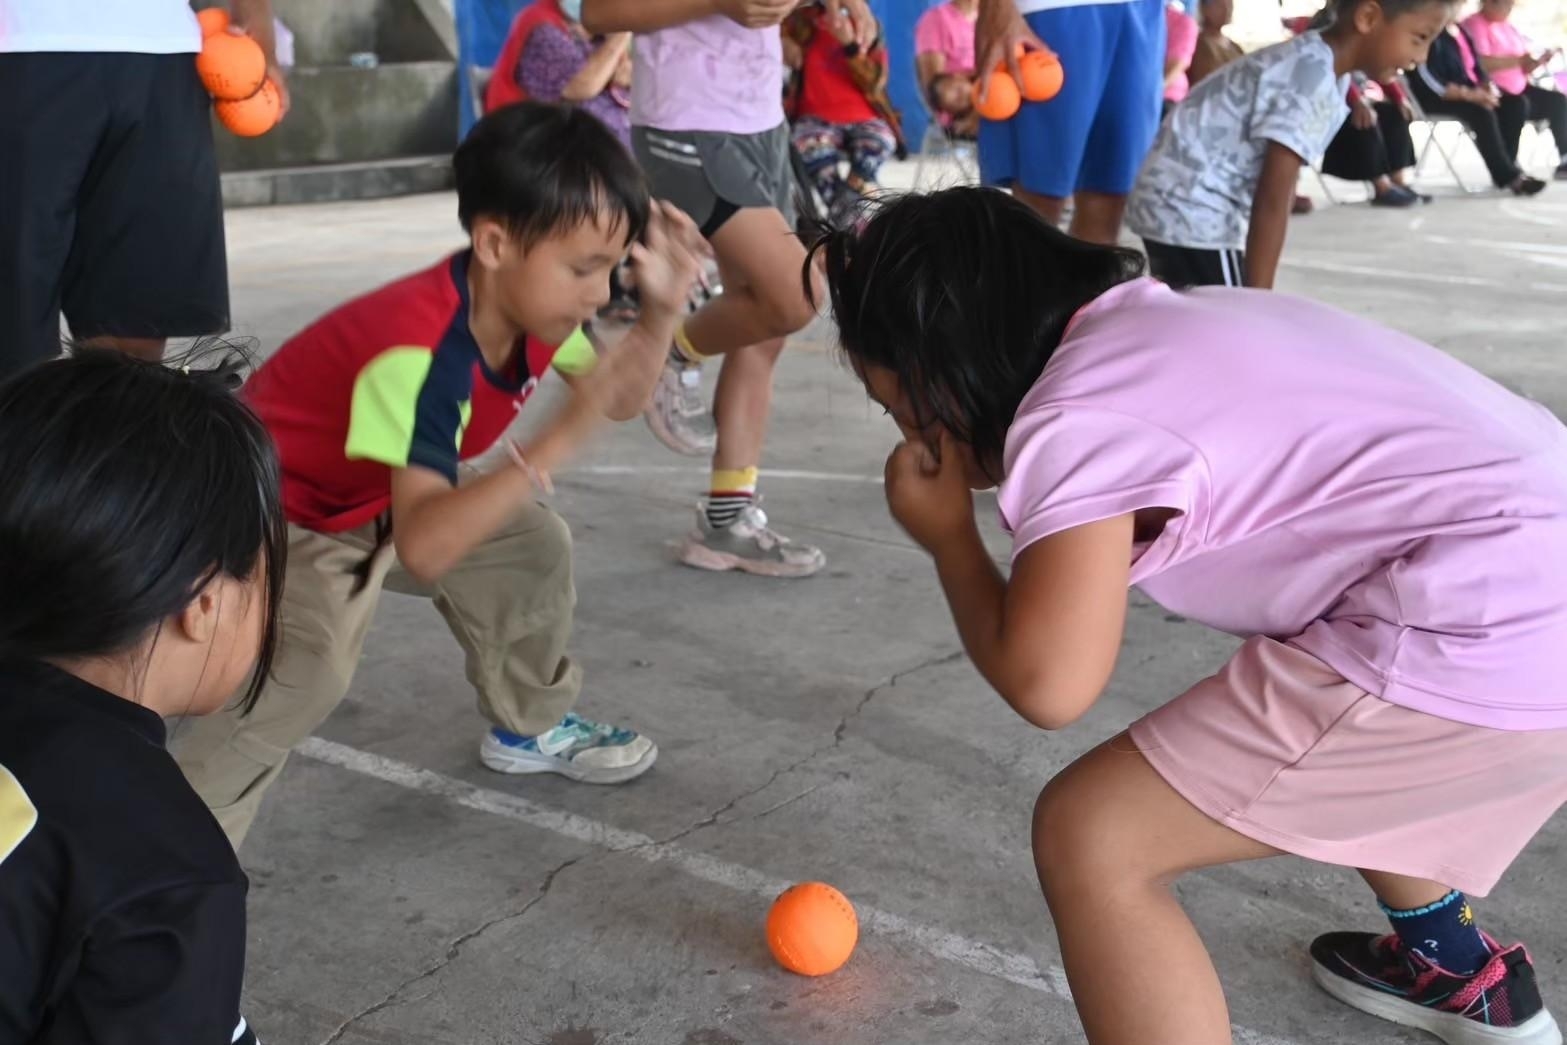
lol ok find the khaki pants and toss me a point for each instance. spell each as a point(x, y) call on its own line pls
point(509, 605)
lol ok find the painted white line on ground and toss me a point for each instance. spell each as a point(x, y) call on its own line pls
point(972, 954)
point(1396, 275)
point(1530, 215)
point(702, 472)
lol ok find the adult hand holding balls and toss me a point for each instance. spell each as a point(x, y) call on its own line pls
point(1039, 76)
point(235, 70)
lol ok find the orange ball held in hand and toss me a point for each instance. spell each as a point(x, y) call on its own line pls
point(231, 67)
point(253, 116)
point(812, 929)
point(213, 20)
point(1042, 75)
point(1003, 100)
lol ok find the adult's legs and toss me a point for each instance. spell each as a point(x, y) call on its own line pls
point(1109, 837)
point(1511, 115)
point(1396, 140)
point(1550, 106)
point(869, 144)
point(821, 147)
point(1487, 136)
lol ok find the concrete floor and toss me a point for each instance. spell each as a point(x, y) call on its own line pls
point(826, 729)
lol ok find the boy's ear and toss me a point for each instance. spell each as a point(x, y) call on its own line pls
point(1368, 16)
point(491, 242)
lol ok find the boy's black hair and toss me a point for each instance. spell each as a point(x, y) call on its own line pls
point(1335, 10)
point(544, 169)
point(963, 294)
point(125, 487)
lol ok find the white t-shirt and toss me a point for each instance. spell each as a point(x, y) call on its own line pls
point(137, 26)
point(1196, 187)
point(1029, 7)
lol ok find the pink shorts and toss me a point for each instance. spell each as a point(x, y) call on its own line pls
point(1278, 747)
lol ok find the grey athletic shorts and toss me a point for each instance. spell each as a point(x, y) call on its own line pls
point(710, 175)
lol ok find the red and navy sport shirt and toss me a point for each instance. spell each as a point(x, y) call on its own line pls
point(390, 380)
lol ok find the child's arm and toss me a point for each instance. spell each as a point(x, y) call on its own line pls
point(1046, 639)
point(666, 267)
point(1270, 214)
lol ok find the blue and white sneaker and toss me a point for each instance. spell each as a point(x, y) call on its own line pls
point(579, 748)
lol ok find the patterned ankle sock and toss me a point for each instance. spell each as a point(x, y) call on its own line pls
point(1444, 932)
point(685, 350)
point(733, 490)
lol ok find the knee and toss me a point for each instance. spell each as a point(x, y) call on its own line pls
point(786, 308)
point(1079, 844)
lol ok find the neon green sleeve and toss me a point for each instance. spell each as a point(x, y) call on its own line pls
point(576, 355)
point(385, 406)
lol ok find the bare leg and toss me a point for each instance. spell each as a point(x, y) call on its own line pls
point(148, 348)
point(742, 403)
point(763, 298)
point(1097, 217)
point(1109, 837)
point(1401, 893)
point(1048, 207)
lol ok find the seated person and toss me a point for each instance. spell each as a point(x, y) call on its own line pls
point(838, 107)
point(1452, 82)
point(549, 57)
point(1214, 49)
point(1506, 56)
point(1374, 144)
point(951, 99)
point(1179, 47)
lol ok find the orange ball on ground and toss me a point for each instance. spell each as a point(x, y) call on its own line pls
point(1042, 75)
point(213, 20)
point(812, 929)
point(253, 116)
point(1003, 98)
point(231, 67)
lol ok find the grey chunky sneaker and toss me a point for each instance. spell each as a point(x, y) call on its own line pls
point(748, 545)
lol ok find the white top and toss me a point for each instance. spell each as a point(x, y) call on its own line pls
point(1197, 184)
point(138, 26)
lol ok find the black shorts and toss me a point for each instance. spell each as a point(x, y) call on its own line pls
point(111, 209)
point(1183, 267)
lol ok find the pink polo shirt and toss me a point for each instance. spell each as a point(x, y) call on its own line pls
point(946, 30)
point(1181, 32)
point(1499, 38)
point(1388, 509)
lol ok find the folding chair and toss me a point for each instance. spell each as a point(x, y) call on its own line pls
point(1434, 124)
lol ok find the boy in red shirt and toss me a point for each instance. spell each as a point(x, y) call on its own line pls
point(376, 405)
point(838, 106)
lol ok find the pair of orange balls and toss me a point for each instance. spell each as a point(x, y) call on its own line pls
point(1042, 79)
point(234, 71)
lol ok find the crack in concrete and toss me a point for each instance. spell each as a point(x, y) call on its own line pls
point(838, 734)
point(453, 950)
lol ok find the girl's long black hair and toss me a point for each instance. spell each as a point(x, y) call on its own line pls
point(963, 294)
point(125, 487)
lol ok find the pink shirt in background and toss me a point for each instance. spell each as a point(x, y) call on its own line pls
point(1495, 39)
point(1181, 32)
point(946, 30)
point(1386, 508)
point(708, 75)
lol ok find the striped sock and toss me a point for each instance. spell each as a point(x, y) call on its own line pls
point(685, 350)
point(733, 490)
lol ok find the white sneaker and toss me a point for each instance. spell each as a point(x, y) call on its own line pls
point(676, 414)
point(578, 748)
point(748, 545)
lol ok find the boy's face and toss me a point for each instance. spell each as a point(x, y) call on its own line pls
point(1402, 42)
point(560, 282)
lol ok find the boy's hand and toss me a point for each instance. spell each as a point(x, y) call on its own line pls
point(668, 263)
point(757, 14)
point(928, 494)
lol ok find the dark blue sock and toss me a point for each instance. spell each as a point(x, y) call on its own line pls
point(1444, 932)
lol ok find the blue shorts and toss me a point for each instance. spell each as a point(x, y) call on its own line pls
point(1095, 134)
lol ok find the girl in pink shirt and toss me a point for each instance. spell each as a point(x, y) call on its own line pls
point(1383, 527)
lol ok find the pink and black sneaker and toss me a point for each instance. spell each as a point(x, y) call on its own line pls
point(1379, 975)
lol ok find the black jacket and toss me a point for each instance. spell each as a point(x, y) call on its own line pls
point(1445, 64)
